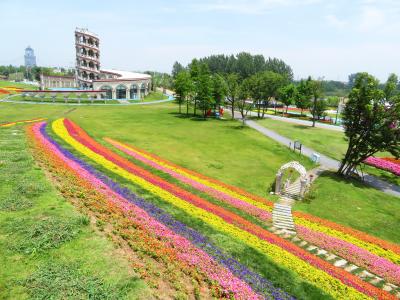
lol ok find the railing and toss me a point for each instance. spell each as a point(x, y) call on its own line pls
point(87, 45)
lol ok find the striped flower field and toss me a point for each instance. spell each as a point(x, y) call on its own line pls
point(191, 223)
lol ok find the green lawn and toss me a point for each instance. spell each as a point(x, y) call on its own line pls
point(353, 204)
point(21, 85)
point(153, 96)
point(218, 148)
point(48, 249)
point(331, 143)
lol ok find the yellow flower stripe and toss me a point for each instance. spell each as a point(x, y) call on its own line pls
point(200, 180)
point(329, 284)
point(21, 122)
point(373, 248)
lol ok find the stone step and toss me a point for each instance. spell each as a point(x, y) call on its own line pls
point(288, 209)
point(287, 220)
point(286, 224)
point(287, 215)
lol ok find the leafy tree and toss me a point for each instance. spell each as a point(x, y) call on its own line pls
point(352, 79)
point(194, 70)
point(244, 104)
point(315, 87)
point(318, 109)
point(264, 87)
point(203, 89)
point(232, 90)
point(219, 89)
point(176, 69)
point(280, 67)
point(182, 88)
point(303, 95)
point(332, 101)
point(287, 95)
point(371, 121)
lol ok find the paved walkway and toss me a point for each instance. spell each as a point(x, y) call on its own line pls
point(325, 162)
point(298, 121)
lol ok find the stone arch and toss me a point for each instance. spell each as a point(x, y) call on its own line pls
point(121, 91)
point(133, 91)
point(299, 168)
point(108, 92)
point(143, 89)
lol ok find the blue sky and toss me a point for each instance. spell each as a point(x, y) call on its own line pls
point(328, 39)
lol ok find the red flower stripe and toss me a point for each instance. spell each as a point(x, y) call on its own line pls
point(347, 278)
point(153, 235)
point(356, 233)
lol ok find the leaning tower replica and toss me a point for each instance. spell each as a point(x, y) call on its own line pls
point(87, 57)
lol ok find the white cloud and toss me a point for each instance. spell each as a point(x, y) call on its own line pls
point(372, 18)
point(334, 21)
point(249, 6)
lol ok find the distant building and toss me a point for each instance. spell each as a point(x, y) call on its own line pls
point(30, 58)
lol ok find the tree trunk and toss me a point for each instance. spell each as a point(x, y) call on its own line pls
point(314, 111)
point(180, 107)
point(195, 107)
point(187, 106)
point(233, 109)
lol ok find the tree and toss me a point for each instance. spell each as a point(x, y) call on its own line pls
point(219, 89)
point(316, 93)
point(203, 89)
point(332, 101)
point(280, 67)
point(352, 79)
point(182, 88)
point(371, 121)
point(194, 70)
point(232, 90)
point(318, 109)
point(244, 104)
point(303, 96)
point(287, 95)
point(176, 69)
point(264, 87)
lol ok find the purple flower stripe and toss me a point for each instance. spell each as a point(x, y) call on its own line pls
point(260, 284)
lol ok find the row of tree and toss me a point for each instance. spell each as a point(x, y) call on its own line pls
point(196, 84)
point(244, 64)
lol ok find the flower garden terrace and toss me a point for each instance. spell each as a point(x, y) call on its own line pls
point(117, 166)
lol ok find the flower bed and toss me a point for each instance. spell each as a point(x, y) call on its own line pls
point(381, 266)
point(332, 280)
point(392, 159)
point(151, 235)
point(9, 124)
point(383, 164)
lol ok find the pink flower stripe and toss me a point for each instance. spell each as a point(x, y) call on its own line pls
point(247, 207)
point(82, 137)
point(186, 251)
point(383, 164)
point(351, 252)
point(378, 265)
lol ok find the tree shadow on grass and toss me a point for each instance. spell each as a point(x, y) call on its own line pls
point(195, 118)
point(298, 126)
point(355, 181)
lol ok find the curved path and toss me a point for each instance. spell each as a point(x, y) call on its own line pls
point(300, 122)
point(325, 162)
